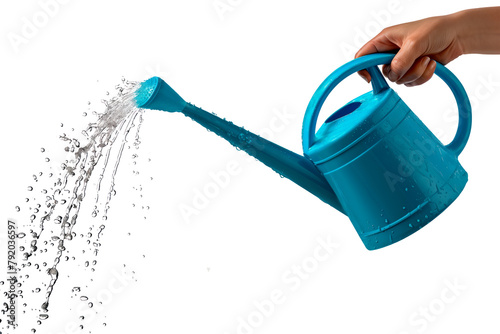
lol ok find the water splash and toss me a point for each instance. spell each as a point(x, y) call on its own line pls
point(94, 152)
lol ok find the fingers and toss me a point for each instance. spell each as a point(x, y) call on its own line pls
point(426, 75)
point(415, 42)
point(366, 49)
point(379, 43)
point(365, 75)
point(419, 72)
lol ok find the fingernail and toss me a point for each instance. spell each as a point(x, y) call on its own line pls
point(389, 73)
point(392, 76)
point(366, 78)
point(426, 61)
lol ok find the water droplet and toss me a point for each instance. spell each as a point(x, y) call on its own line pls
point(69, 190)
point(83, 298)
point(410, 225)
point(30, 188)
point(53, 273)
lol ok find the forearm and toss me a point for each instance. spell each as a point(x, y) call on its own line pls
point(479, 30)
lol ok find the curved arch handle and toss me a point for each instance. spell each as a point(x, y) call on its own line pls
point(370, 62)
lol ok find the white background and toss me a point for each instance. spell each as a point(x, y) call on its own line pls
point(247, 63)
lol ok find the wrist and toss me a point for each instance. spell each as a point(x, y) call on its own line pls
point(462, 28)
point(477, 30)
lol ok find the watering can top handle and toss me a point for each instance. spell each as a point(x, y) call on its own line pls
point(379, 84)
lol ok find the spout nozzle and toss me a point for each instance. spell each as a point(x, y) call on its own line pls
point(156, 94)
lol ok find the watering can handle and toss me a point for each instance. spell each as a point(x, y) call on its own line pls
point(370, 62)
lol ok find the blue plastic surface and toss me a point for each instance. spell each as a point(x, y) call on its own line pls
point(369, 62)
point(373, 159)
point(390, 173)
point(155, 93)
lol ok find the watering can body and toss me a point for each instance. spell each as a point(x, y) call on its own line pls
point(373, 159)
point(391, 174)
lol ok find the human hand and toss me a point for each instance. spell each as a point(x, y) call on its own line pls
point(418, 44)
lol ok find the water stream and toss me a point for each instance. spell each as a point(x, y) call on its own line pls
point(45, 239)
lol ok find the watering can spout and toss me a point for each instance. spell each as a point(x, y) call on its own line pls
point(156, 94)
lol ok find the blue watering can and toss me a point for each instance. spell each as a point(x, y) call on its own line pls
point(373, 159)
